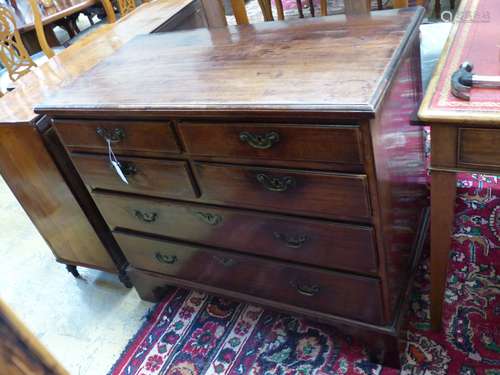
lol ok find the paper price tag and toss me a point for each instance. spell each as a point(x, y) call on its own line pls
point(118, 170)
point(115, 163)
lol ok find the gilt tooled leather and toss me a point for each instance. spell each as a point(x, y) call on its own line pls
point(477, 40)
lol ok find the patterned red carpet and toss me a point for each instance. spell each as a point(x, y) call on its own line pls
point(191, 333)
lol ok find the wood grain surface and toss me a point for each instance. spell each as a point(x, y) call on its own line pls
point(16, 107)
point(26, 164)
point(331, 292)
point(310, 193)
point(37, 183)
point(164, 178)
point(261, 67)
point(317, 242)
point(150, 138)
point(25, 18)
point(270, 141)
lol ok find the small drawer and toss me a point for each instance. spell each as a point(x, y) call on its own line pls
point(332, 195)
point(318, 143)
point(321, 243)
point(336, 293)
point(127, 137)
point(155, 177)
point(479, 147)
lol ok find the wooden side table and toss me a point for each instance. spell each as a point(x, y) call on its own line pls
point(465, 134)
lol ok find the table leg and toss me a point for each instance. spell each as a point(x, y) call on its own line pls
point(30, 41)
point(324, 7)
point(437, 8)
point(51, 37)
point(299, 8)
point(443, 191)
point(311, 8)
point(355, 7)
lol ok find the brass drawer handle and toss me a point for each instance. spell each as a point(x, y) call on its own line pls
point(208, 218)
point(294, 242)
point(128, 168)
point(261, 142)
point(164, 258)
point(226, 262)
point(308, 290)
point(114, 136)
point(147, 217)
point(275, 183)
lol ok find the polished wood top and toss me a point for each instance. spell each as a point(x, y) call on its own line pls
point(328, 64)
point(16, 107)
point(475, 37)
point(23, 14)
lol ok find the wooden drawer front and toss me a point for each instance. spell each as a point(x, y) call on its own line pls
point(127, 137)
point(313, 193)
point(479, 147)
point(335, 293)
point(162, 178)
point(321, 143)
point(320, 243)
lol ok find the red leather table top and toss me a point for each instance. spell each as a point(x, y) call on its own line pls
point(475, 37)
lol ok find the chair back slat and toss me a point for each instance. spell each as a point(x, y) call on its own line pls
point(240, 12)
point(40, 32)
point(279, 10)
point(324, 7)
point(352, 7)
point(110, 12)
point(267, 11)
point(126, 6)
point(13, 54)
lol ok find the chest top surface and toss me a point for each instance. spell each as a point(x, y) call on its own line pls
point(475, 37)
point(327, 64)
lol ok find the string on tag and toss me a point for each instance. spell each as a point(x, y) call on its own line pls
point(115, 163)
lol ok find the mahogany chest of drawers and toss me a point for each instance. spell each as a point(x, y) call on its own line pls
point(272, 163)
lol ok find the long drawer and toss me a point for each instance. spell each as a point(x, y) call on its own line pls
point(479, 147)
point(162, 178)
point(333, 195)
point(292, 142)
point(334, 293)
point(321, 243)
point(126, 137)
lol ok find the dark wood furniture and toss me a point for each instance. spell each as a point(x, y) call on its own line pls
point(20, 351)
point(51, 16)
point(29, 151)
point(438, 7)
point(274, 163)
point(465, 135)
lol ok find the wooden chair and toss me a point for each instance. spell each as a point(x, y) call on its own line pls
point(216, 9)
point(13, 54)
point(124, 7)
